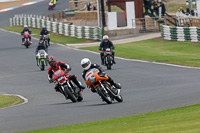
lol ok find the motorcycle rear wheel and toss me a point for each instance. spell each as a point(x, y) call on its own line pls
point(42, 66)
point(104, 96)
point(80, 98)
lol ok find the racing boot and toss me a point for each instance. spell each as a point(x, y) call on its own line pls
point(73, 78)
point(114, 60)
point(37, 61)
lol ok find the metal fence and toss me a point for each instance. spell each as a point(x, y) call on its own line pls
point(35, 21)
point(147, 24)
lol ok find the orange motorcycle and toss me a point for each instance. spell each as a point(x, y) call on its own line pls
point(98, 81)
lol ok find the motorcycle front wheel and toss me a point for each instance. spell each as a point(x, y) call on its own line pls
point(108, 62)
point(69, 94)
point(104, 95)
point(119, 98)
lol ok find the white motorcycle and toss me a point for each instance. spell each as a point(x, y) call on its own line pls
point(42, 59)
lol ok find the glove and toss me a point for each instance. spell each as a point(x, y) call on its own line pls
point(100, 49)
point(51, 81)
point(113, 48)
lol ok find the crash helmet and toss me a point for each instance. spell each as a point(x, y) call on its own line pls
point(86, 63)
point(105, 37)
point(43, 27)
point(52, 62)
point(25, 27)
point(41, 43)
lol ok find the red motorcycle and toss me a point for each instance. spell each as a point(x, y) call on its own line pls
point(51, 6)
point(67, 87)
point(26, 42)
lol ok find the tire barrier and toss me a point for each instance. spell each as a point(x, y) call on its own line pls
point(180, 33)
point(35, 21)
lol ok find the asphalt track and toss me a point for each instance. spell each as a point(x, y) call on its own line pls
point(147, 87)
point(35, 9)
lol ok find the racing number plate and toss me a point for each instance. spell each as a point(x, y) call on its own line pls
point(62, 80)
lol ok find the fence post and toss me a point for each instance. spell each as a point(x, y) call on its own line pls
point(194, 34)
point(180, 34)
point(66, 29)
point(11, 22)
point(83, 32)
point(86, 32)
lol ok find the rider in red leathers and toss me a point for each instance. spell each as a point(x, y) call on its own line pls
point(54, 66)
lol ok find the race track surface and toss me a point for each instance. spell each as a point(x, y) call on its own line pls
point(40, 8)
point(147, 87)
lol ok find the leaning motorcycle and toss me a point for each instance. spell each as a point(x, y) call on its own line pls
point(26, 42)
point(108, 58)
point(42, 59)
point(45, 40)
point(67, 87)
point(98, 82)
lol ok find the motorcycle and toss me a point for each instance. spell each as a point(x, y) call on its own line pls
point(98, 82)
point(42, 59)
point(51, 6)
point(108, 58)
point(26, 42)
point(67, 87)
point(45, 40)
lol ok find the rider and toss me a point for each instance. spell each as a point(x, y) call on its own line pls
point(87, 65)
point(54, 2)
point(26, 30)
point(54, 66)
point(43, 32)
point(106, 43)
point(40, 47)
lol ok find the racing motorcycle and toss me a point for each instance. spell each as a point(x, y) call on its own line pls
point(67, 87)
point(26, 42)
point(51, 6)
point(97, 81)
point(108, 58)
point(42, 59)
point(45, 40)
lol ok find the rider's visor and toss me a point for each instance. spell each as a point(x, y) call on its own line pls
point(51, 63)
point(85, 65)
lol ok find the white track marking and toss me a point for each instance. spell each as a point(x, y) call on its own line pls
point(24, 99)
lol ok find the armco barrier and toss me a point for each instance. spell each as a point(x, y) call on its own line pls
point(180, 33)
point(94, 33)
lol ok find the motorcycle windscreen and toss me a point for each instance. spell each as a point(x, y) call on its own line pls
point(90, 73)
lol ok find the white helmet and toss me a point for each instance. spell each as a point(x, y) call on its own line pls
point(86, 63)
point(105, 37)
point(25, 26)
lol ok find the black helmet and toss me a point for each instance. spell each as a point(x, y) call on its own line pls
point(41, 43)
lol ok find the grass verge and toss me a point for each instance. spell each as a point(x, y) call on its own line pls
point(179, 120)
point(53, 36)
point(159, 50)
point(7, 100)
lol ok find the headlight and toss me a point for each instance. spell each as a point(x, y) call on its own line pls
point(92, 79)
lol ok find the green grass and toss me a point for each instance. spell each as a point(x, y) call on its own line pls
point(173, 8)
point(114, 9)
point(53, 36)
point(179, 120)
point(6, 100)
point(159, 50)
